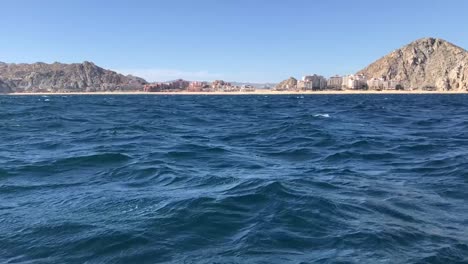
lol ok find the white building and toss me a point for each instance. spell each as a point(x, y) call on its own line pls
point(376, 83)
point(314, 82)
point(352, 82)
point(381, 84)
point(335, 82)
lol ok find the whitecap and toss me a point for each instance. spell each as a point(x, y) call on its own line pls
point(322, 115)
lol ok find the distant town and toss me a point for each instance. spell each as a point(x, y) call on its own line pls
point(307, 83)
point(183, 85)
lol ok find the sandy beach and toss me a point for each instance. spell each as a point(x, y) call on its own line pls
point(257, 92)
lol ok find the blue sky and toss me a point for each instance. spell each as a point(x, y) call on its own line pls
point(235, 40)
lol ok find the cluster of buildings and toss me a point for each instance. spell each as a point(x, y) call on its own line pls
point(360, 81)
point(176, 85)
point(182, 85)
point(307, 83)
point(347, 82)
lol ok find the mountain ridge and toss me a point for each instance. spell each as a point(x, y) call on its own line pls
point(62, 77)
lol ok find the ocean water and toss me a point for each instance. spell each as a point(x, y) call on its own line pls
point(234, 179)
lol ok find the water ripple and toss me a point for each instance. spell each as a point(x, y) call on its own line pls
point(234, 179)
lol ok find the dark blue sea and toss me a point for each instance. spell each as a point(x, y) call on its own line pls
point(234, 179)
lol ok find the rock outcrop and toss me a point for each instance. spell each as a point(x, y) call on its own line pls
point(59, 77)
point(427, 63)
point(288, 84)
point(4, 87)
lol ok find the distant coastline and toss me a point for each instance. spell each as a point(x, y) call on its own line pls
point(427, 65)
point(257, 92)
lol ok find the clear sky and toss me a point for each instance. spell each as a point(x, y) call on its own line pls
point(234, 40)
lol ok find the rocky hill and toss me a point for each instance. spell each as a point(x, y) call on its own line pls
point(59, 77)
point(290, 83)
point(427, 63)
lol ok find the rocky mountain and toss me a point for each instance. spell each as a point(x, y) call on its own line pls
point(59, 77)
point(427, 63)
point(287, 84)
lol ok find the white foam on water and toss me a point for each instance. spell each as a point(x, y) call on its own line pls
point(322, 115)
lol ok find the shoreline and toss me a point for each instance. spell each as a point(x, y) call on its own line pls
point(247, 93)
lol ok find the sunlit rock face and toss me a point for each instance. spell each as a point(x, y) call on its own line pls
point(425, 63)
